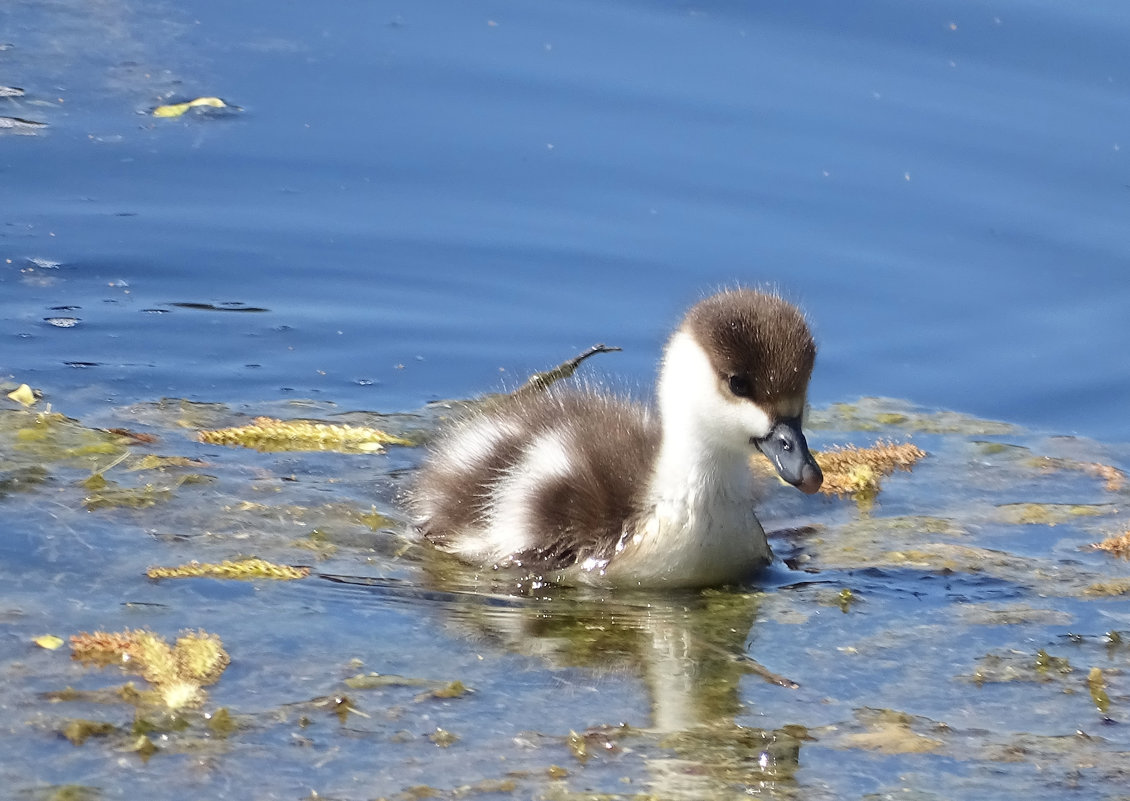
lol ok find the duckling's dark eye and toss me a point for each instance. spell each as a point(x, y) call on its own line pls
point(740, 385)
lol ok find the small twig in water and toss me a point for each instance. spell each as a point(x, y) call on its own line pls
point(539, 382)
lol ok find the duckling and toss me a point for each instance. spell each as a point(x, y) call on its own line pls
point(579, 486)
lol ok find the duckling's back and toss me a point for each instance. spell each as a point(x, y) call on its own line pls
point(545, 481)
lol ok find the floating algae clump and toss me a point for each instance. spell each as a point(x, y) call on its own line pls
point(178, 673)
point(890, 732)
point(859, 471)
point(50, 438)
point(1114, 478)
point(245, 569)
point(1050, 514)
point(1097, 686)
point(1113, 587)
point(877, 414)
point(1119, 545)
point(443, 738)
point(272, 434)
point(79, 730)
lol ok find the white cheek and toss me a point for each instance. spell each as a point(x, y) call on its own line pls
point(687, 382)
point(753, 419)
point(691, 392)
point(735, 421)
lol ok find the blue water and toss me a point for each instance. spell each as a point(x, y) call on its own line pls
point(424, 194)
point(431, 200)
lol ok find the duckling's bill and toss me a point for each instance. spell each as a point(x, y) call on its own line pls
point(786, 448)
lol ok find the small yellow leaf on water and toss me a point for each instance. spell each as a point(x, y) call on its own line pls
point(177, 109)
point(170, 111)
point(49, 641)
point(22, 394)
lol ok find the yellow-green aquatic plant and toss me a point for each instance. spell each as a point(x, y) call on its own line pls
point(272, 434)
point(245, 569)
point(851, 470)
point(1096, 684)
point(858, 471)
point(178, 673)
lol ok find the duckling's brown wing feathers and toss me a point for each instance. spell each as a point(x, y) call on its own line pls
point(609, 446)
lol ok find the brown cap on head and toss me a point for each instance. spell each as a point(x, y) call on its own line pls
point(759, 338)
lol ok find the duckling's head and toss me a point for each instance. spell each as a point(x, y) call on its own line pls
point(735, 373)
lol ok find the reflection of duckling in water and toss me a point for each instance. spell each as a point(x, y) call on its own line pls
point(581, 486)
point(690, 654)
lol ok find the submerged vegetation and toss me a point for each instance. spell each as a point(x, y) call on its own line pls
point(1007, 549)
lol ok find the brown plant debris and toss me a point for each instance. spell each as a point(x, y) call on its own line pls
point(178, 673)
point(244, 569)
point(1119, 545)
point(272, 434)
point(539, 382)
point(1114, 478)
point(136, 437)
point(851, 470)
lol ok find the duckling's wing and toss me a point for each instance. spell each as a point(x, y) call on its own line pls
point(545, 481)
